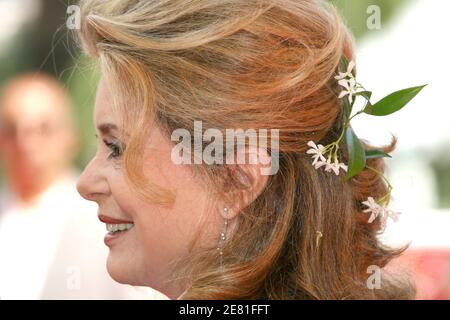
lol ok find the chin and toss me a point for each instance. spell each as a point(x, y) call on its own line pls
point(120, 270)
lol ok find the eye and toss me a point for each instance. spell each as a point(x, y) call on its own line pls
point(115, 147)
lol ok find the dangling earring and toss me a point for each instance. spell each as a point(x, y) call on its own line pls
point(223, 236)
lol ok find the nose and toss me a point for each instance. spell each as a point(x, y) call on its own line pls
point(92, 185)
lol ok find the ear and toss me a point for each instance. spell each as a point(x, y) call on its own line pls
point(251, 176)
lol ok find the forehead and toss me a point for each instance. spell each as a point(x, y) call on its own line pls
point(34, 102)
point(103, 105)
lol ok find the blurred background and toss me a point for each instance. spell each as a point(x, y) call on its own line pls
point(400, 43)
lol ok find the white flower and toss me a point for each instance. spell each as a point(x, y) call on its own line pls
point(350, 87)
point(317, 151)
point(349, 74)
point(388, 213)
point(373, 208)
point(320, 164)
point(335, 167)
point(377, 210)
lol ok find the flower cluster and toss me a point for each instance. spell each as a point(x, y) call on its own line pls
point(319, 153)
point(348, 82)
point(328, 156)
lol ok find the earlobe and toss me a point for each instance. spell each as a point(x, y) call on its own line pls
point(226, 213)
point(229, 212)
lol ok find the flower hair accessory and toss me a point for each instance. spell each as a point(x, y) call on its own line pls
point(327, 157)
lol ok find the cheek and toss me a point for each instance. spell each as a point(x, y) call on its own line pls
point(165, 232)
point(176, 226)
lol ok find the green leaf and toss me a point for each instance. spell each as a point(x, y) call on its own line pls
point(356, 154)
point(366, 95)
point(393, 102)
point(373, 154)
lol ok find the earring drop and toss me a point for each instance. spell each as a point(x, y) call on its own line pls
point(223, 235)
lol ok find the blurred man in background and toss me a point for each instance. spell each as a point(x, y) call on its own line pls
point(50, 240)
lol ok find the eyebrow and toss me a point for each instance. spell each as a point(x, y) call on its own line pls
point(106, 128)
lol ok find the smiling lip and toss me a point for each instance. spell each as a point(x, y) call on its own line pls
point(109, 220)
point(110, 238)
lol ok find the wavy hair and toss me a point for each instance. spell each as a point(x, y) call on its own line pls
point(266, 64)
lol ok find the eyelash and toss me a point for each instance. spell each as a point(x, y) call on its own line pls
point(116, 149)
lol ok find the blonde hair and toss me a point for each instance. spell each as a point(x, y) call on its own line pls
point(265, 64)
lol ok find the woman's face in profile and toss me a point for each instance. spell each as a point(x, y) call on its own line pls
point(153, 236)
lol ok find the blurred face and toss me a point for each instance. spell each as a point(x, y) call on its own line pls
point(153, 236)
point(36, 141)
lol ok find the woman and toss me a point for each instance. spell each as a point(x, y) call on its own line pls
point(228, 231)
